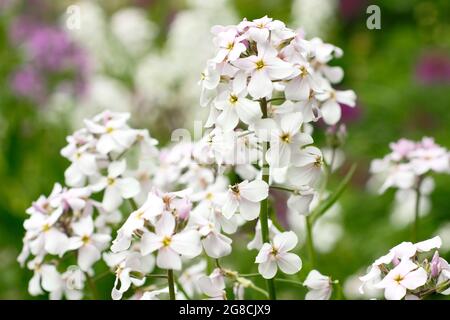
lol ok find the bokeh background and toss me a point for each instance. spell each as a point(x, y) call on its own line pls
point(145, 56)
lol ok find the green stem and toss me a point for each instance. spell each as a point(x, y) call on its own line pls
point(415, 231)
point(92, 287)
point(297, 283)
point(283, 188)
point(170, 281)
point(310, 242)
point(264, 213)
point(133, 204)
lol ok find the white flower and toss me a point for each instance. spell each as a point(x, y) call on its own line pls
point(152, 208)
point(276, 254)
point(235, 106)
point(213, 286)
point(284, 136)
point(190, 276)
point(154, 295)
point(246, 197)
point(170, 245)
point(319, 286)
point(45, 277)
point(116, 187)
point(126, 262)
point(405, 276)
point(229, 45)
point(330, 109)
point(45, 236)
point(300, 201)
point(88, 243)
point(216, 245)
point(114, 134)
point(263, 68)
point(307, 166)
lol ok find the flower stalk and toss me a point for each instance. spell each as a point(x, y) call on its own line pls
point(171, 284)
point(264, 212)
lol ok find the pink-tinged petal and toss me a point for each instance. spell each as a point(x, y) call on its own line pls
point(150, 242)
point(259, 35)
point(73, 176)
point(168, 259)
point(394, 292)
point(129, 187)
point(331, 112)
point(51, 279)
point(84, 226)
point(415, 279)
point(334, 74)
point(217, 245)
point(248, 111)
point(264, 253)
point(289, 263)
point(34, 286)
point(207, 286)
point(268, 269)
point(256, 190)
point(279, 69)
point(124, 138)
point(291, 123)
point(230, 206)
point(165, 225)
point(236, 51)
point(116, 168)
point(285, 241)
point(297, 90)
point(228, 119)
point(260, 85)
point(106, 144)
point(300, 203)
point(246, 64)
point(112, 198)
point(56, 242)
point(347, 97)
point(265, 128)
point(430, 244)
point(87, 164)
point(187, 243)
point(249, 210)
point(87, 256)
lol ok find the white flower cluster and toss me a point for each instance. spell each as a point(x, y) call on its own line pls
point(73, 224)
point(409, 162)
point(405, 272)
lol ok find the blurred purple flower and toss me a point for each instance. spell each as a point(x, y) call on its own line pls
point(50, 54)
point(351, 9)
point(433, 68)
point(28, 83)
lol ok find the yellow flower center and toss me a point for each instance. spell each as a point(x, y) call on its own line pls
point(233, 99)
point(235, 189)
point(230, 45)
point(398, 278)
point(109, 130)
point(259, 64)
point(286, 137)
point(85, 239)
point(166, 241)
point(111, 181)
point(46, 227)
point(318, 163)
point(303, 71)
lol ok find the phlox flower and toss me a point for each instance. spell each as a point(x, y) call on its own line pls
point(276, 255)
point(170, 245)
point(319, 286)
point(263, 68)
point(285, 137)
point(116, 187)
point(89, 244)
point(307, 166)
point(245, 197)
point(405, 276)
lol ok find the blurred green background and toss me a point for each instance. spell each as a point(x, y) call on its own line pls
point(401, 74)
